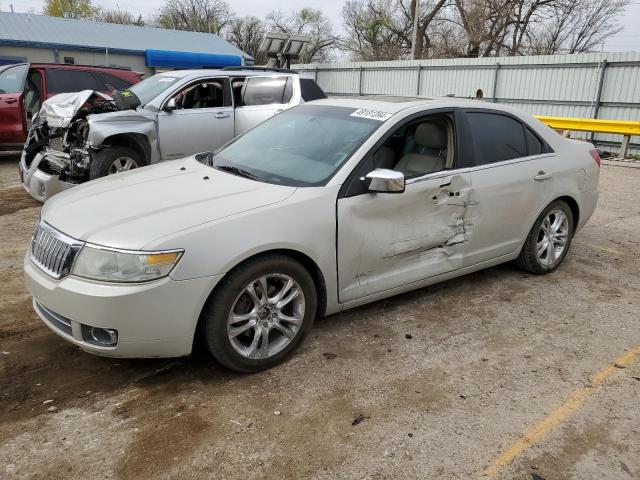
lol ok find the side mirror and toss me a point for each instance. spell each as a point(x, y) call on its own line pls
point(170, 106)
point(382, 180)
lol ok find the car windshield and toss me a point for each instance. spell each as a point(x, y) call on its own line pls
point(151, 87)
point(303, 146)
point(12, 79)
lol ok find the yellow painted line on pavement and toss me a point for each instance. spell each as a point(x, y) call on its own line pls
point(560, 414)
point(607, 249)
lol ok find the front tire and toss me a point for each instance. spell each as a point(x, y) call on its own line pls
point(115, 159)
point(261, 311)
point(549, 239)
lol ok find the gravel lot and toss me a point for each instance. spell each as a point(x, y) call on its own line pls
point(448, 378)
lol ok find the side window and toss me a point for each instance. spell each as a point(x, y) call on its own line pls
point(12, 79)
point(112, 82)
point(264, 91)
point(496, 137)
point(416, 149)
point(288, 91)
point(210, 93)
point(534, 144)
point(237, 85)
point(310, 90)
point(65, 81)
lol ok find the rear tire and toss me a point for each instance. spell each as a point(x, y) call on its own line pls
point(248, 331)
point(115, 159)
point(549, 239)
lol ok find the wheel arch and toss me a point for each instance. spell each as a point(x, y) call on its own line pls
point(575, 209)
point(137, 141)
point(307, 262)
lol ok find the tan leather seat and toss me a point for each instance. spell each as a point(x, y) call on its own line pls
point(430, 135)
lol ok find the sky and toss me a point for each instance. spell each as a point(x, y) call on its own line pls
point(627, 40)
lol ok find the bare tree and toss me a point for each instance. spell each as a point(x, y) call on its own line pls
point(403, 20)
point(520, 27)
point(380, 30)
point(119, 16)
point(307, 21)
point(576, 26)
point(247, 34)
point(368, 34)
point(211, 16)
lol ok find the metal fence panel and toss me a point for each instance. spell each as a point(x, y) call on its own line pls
point(588, 85)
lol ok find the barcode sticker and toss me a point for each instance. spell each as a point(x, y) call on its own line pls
point(371, 114)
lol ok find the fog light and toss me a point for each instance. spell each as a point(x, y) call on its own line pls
point(104, 336)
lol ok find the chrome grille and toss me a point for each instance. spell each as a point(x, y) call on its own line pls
point(53, 251)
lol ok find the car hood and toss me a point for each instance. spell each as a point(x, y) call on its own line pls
point(59, 110)
point(138, 115)
point(130, 210)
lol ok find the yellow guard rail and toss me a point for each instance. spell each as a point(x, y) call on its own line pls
point(615, 127)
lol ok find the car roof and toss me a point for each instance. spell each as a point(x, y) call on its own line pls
point(222, 73)
point(65, 66)
point(394, 104)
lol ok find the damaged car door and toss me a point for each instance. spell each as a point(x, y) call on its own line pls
point(389, 240)
point(206, 102)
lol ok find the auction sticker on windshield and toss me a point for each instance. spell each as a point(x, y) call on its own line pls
point(371, 114)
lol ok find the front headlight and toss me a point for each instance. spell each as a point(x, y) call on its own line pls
point(110, 265)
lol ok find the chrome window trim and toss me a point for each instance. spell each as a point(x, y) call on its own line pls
point(454, 171)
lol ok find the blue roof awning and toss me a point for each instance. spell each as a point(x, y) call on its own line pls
point(172, 59)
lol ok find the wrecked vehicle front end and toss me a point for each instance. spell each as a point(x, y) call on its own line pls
point(56, 155)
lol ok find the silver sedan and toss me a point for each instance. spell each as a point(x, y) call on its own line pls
point(327, 206)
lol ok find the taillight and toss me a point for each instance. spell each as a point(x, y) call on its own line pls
point(595, 155)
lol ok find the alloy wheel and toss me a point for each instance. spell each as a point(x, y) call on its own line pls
point(122, 164)
point(552, 237)
point(266, 316)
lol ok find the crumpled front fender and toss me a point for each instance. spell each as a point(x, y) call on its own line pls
point(105, 125)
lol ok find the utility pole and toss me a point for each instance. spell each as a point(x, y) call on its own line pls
point(416, 16)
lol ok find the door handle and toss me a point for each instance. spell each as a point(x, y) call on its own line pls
point(222, 115)
point(11, 100)
point(542, 176)
point(280, 110)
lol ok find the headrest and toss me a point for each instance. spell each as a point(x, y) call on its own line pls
point(432, 134)
point(384, 156)
point(199, 92)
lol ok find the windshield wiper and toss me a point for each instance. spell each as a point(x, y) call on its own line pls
point(237, 171)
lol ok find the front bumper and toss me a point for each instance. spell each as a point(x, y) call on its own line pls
point(154, 319)
point(38, 184)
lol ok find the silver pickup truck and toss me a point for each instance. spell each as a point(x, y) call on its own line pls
point(86, 135)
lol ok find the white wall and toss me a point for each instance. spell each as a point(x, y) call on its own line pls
point(81, 57)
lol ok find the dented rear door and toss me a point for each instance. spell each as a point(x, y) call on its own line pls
point(389, 240)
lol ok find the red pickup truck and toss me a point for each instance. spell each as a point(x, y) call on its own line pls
point(24, 86)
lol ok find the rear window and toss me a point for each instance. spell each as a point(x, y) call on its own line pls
point(112, 82)
point(496, 137)
point(310, 90)
point(66, 81)
point(266, 91)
